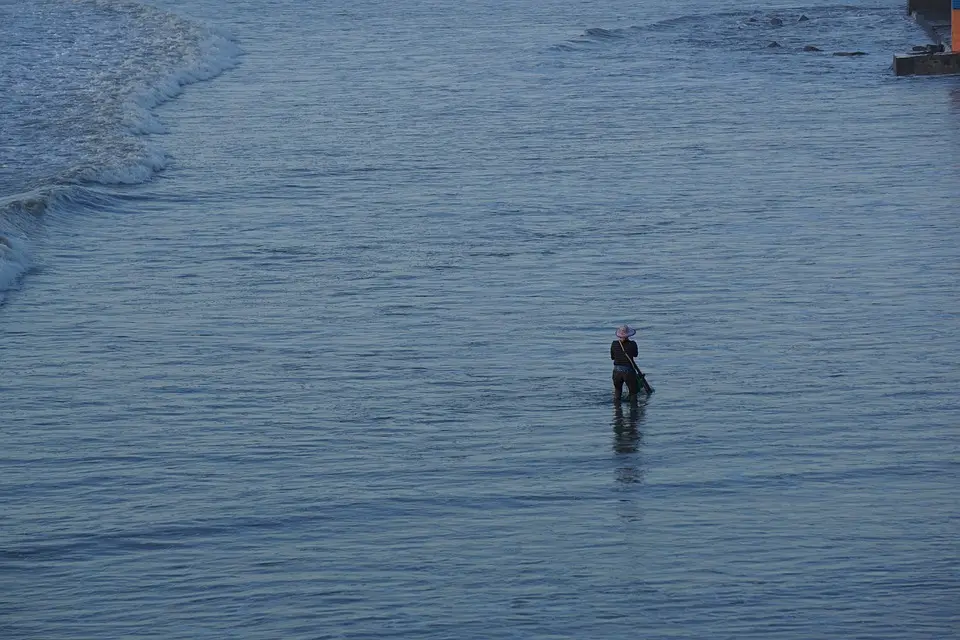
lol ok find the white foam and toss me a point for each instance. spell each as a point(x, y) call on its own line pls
point(215, 53)
point(150, 162)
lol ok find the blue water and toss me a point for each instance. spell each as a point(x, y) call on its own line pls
point(306, 310)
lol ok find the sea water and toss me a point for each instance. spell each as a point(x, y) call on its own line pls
point(307, 310)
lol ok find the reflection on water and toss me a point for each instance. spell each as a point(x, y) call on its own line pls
point(626, 439)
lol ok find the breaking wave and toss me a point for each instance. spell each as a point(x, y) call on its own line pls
point(85, 78)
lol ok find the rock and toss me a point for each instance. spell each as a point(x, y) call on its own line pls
point(928, 48)
point(773, 45)
point(775, 21)
point(810, 47)
point(802, 18)
point(849, 53)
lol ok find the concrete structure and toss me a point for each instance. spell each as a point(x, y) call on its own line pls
point(932, 64)
point(941, 20)
point(934, 17)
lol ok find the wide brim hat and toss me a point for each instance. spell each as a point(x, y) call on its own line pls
point(625, 331)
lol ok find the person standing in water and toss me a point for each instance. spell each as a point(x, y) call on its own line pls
point(622, 352)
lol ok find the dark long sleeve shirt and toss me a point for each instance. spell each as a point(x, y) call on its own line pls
point(617, 355)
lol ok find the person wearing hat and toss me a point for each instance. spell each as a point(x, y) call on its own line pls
point(622, 352)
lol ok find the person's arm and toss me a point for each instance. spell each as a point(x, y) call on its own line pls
point(612, 357)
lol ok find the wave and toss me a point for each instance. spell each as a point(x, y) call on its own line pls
point(14, 262)
point(80, 109)
point(21, 216)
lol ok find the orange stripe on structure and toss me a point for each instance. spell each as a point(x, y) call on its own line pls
point(955, 28)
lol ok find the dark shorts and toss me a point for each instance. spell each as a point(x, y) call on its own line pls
point(621, 376)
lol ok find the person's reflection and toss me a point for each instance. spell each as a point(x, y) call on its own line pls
point(626, 439)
